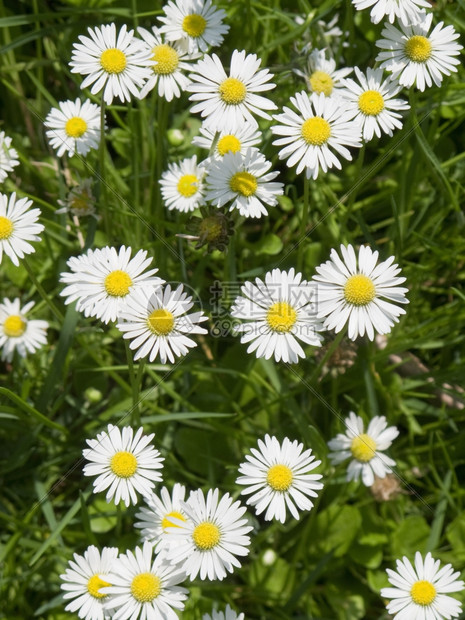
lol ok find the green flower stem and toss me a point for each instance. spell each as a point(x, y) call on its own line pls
point(159, 166)
point(135, 380)
point(331, 349)
point(40, 289)
point(303, 226)
point(102, 188)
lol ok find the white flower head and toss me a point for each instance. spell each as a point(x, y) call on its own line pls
point(406, 11)
point(197, 23)
point(157, 324)
point(228, 614)
point(365, 449)
point(227, 101)
point(322, 76)
point(18, 333)
point(84, 579)
point(359, 291)
point(212, 537)
point(182, 185)
point(322, 129)
point(243, 181)
point(415, 57)
point(124, 463)
point(74, 127)
point(278, 312)
point(421, 590)
point(247, 136)
point(103, 280)
point(8, 156)
point(18, 226)
point(277, 476)
point(118, 63)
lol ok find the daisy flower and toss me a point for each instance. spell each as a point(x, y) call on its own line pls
point(310, 137)
point(373, 99)
point(366, 449)
point(322, 76)
point(246, 136)
point(84, 579)
point(19, 333)
point(196, 23)
point(406, 11)
point(74, 127)
point(18, 226)
point(116, 62)
point(169, 60)
point(182, 186)
point(211, 538)
point(279, 312)
point(8, 156)
point(157, 324)
point(422, 590)
point(244, 181)
point(228, 614)
point(226, 102)
point(103, 280)
point(353, 290)
point(124, 463)
point(415, 57)
point(278, 476)
point(146, 588)
point(80, 200)
point(156, 517)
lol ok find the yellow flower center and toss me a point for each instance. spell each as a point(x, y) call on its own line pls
point(243, 183)
point(281, 317)
point(206, 536)
point(167, 59)
point(80, 203)
point(423, 593)
point(113, 60)
point(117, 283)
point(371, 103)
point(232, 91)
point(316, 131)
point(418, 48)
point(167, 523)
point(123, 464)
point(187, 185)
point(6, 227)
point(145, 587)
point(161, 322)
point(14, 326)
point(359, 290)
point(75, 127)
point(210, 228)
point(321, 82)
point(94, 584)
point(279, 477)
point(194, 25)
point(228, 144)
point(363, 448)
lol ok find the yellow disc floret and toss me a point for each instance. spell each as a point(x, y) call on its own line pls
point(363, 448)
point(371, 103)
point(281, 317)
point(243, 183)
point(321, 82)
point(228, 144)
point(418, 48)
point(14, 326)
point(279, 477)
point(359, 290)
point(117, 283)
point(145, 587)
point(161, 322)
point(232, 91)
point(210, 228)
point(166, 521)
point(187, 185)
point(206, 535)
point(113, 60)
point(423, 593)
point(167, 59)
point(6, 227)
point(123, 464)
point(194, 25)
point(316, 131)
point(94, 584)
point(75, 127)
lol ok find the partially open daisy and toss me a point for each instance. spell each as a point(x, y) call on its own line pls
point(278, 312)
point(155, 518)
point(247, 136)
point(102, 280)
point(198, 24)
point(8, 156)
point(311, 139)
point(18, 333)
point(277, 476)
point(144, 587)
point(373, 99)
point(80, 200)
point(227, 101)
point(406, 11)
point(182, 185)
point(157, 324)
point(228, 614)
point(416, 57)
point(322, 76)
point(243, 181)
point(83, 580)
point(352, 290)
point(212, 537)
point(422, 590)
point(365, 449)
point(18, 226)
point(124, 463)
point(116, 62)
point(74, 127)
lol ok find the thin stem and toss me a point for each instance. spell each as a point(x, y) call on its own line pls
point(135, 380)
point(102, 188)
point(40, 289)
point(329, 352)
point(303, 225)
